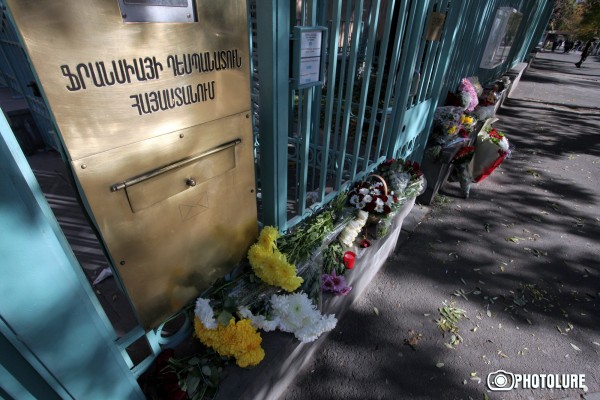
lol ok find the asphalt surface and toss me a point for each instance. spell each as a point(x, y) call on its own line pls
point(520, 256)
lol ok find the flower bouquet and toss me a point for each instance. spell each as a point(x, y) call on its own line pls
point(467, 96)
point(227, 336)
point(492, 148)
point(294, 313)
point(451, 128)
point(462, 161)
point(404, 178)
point(373, 197)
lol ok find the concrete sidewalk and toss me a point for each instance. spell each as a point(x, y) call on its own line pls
point(520, 256)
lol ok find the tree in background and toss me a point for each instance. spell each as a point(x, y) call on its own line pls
point(589, 25)
point(566, 16)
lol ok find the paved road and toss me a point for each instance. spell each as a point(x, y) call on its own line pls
point(523, 250)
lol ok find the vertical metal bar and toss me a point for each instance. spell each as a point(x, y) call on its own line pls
point(373, 23)
point(349, 86)
point(424, 47)
point(452, 30)
point(431, 60)
point(273, 34)
point(402, 18)
point(306, 116)
point(319, 10)
point(341, 88)
point(404, 77)
point(380, 73)
point(331, 73)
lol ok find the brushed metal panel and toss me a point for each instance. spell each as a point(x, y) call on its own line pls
point(168, 253)
point(73, 43)
point(158, 188)
point(129, 98)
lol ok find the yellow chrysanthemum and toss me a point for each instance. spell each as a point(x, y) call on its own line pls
point(267, 237)
point(237, 339)
point(270, 265)
point(452, 130)
point(466, 120)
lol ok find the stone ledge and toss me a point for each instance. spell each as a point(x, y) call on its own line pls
point(285, 355)
point(515, 76)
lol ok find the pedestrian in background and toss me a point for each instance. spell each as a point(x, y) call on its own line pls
point(584, 53)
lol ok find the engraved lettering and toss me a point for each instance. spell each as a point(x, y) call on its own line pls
point(168, 99)
point(75, 82)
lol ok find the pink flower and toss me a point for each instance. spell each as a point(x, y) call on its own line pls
point(335, 283)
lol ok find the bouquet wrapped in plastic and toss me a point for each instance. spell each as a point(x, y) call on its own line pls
point(492, 148)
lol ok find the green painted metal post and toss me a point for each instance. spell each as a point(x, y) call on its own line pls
point(273, 44)
point(49, 313)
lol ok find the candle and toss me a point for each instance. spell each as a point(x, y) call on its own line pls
point(349, 258)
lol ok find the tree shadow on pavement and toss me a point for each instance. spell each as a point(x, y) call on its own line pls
point(520, 256)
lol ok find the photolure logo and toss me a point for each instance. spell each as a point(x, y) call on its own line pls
point(503, 380)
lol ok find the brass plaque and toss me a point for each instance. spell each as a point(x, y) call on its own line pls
point(110, 83)
point(155, 120)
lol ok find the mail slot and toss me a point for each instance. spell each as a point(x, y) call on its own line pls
point(159, 184)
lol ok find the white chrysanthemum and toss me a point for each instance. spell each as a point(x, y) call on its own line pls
point(293, 310)
point(355, 199)
point(259, 321)
point(205, 313)
point(298, 315)
point(363, 191)
point(311, 332)
point(367, 199)
point(379, 205)
point(503, 144)
point(376, 192)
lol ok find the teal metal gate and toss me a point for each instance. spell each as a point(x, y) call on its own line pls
point(384, 79)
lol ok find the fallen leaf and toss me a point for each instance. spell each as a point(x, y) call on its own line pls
point(439, 365)
point(575, 347)
point(501, 354)
point(513, 239)
point(413, 339)
point(489, 313)
point(376, 310)
point(596, 343)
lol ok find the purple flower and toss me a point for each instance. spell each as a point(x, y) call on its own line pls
point(335, 283)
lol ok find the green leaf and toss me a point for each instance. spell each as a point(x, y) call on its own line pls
point(224, 317)
point(192, 383)
point(206, 370)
